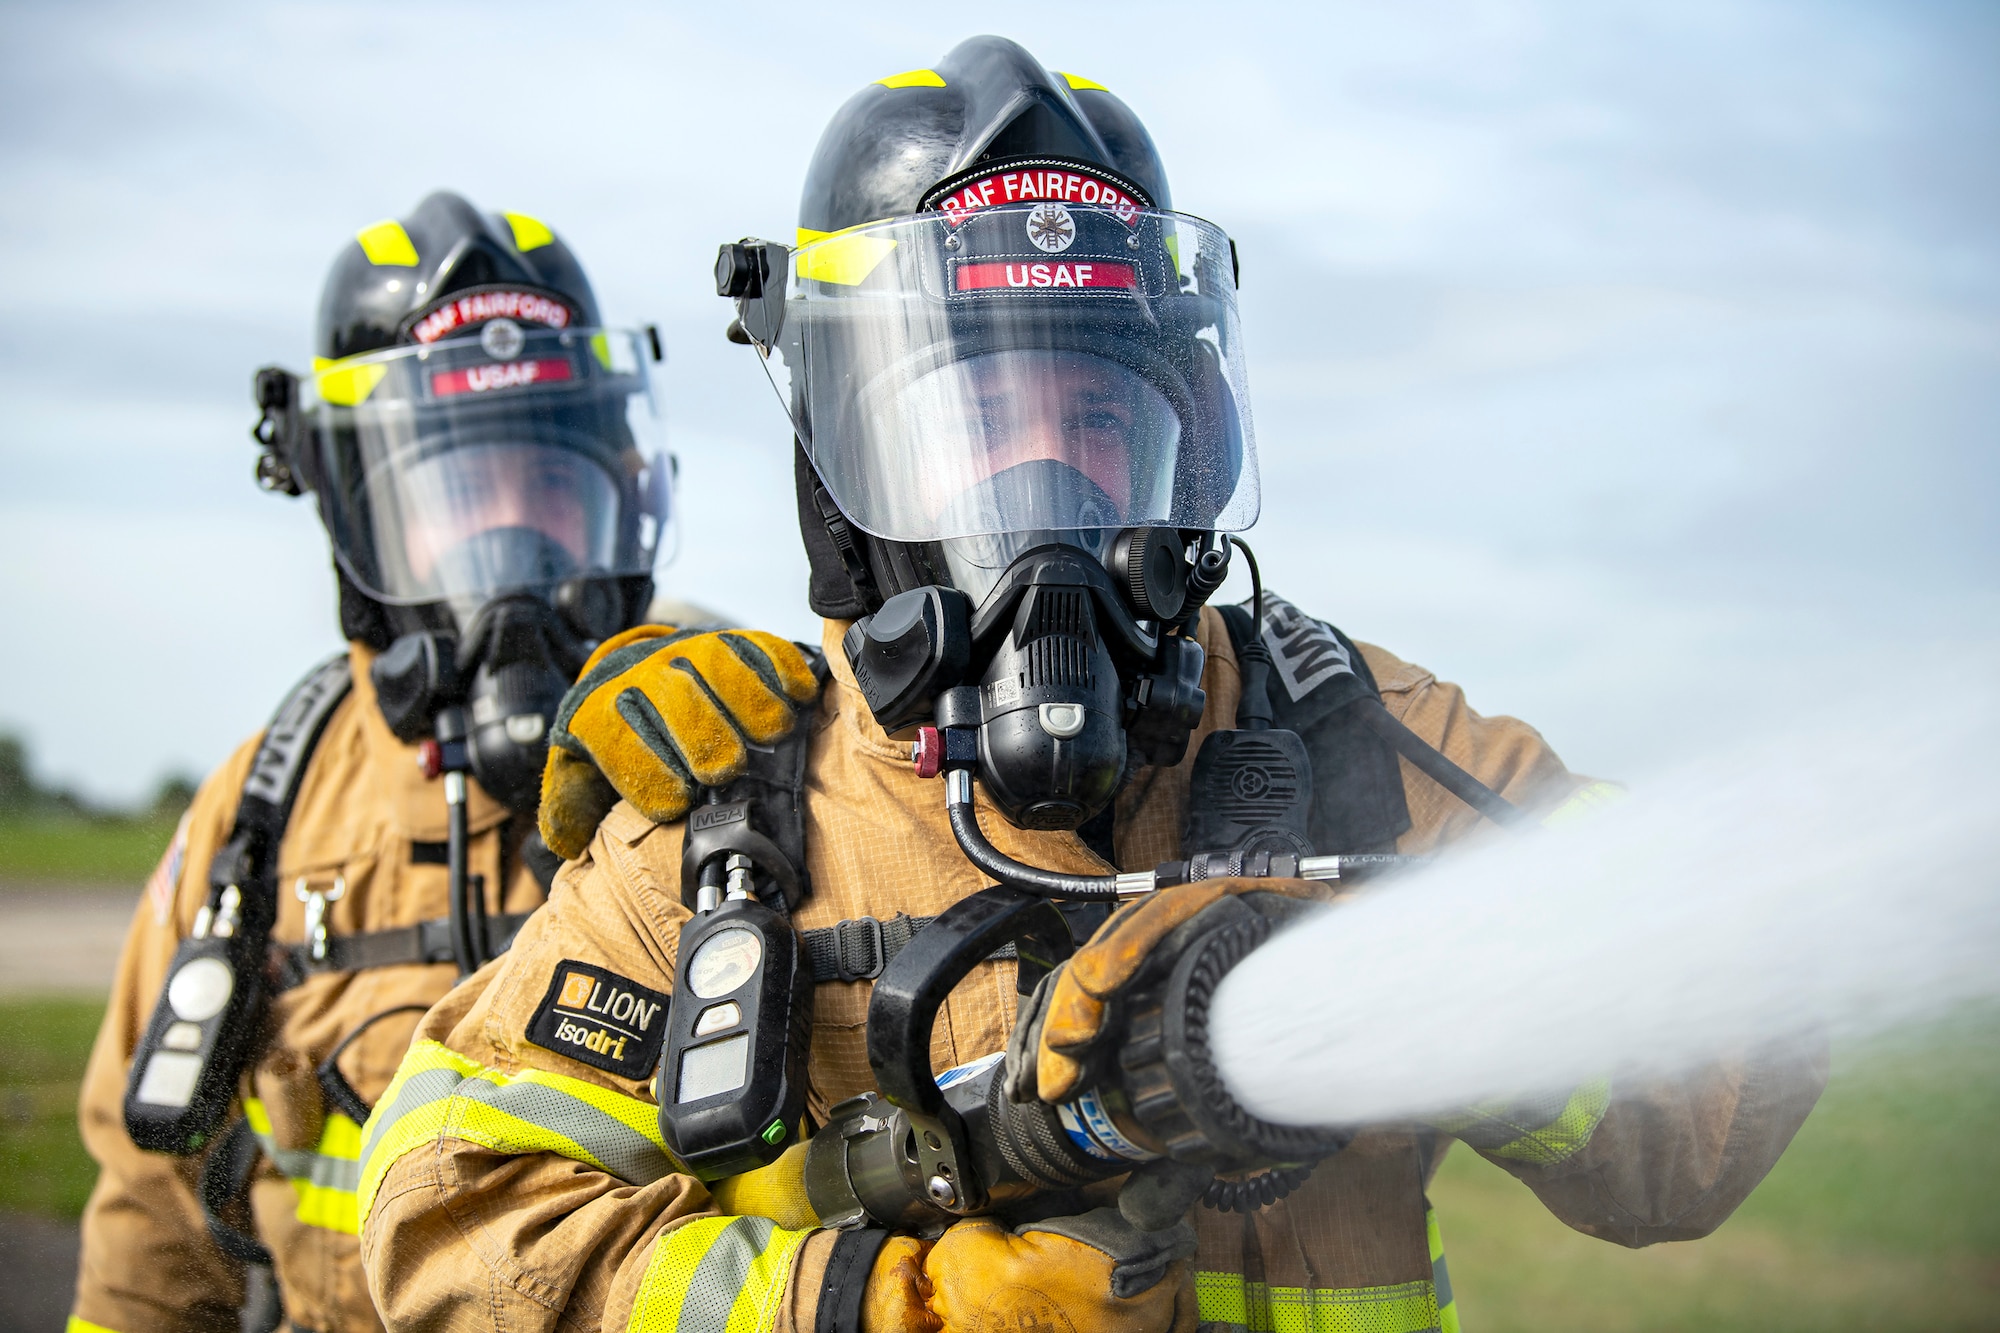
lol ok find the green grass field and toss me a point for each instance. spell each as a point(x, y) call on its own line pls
point(72, 849)
point(1884, 1215)
point(43, 1046)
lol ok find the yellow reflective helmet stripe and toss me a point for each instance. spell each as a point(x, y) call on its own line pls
point(439, 1094)
point(78, 1324)
point(913, 78)
point(600, 347)
point(844, 258)
point(1584, 803)
point(387, 243)
point(529, 233)
point(324, 1178)
point(1078, 83)
point(346, 382)
point(1229, 1301)
point(716, 1275)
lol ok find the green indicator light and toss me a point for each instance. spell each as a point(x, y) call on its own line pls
point(775, 1134)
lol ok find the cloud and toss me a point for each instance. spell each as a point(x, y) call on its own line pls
point(1604, 358)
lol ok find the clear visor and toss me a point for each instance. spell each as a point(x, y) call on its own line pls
point(466, 469)
point(961, 379)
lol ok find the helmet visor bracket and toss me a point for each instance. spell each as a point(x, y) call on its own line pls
point(926, 359)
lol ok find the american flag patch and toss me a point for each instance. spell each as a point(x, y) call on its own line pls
point(167, 875)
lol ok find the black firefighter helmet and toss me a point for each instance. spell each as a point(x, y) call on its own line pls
point(995, 334)
point(470, 431)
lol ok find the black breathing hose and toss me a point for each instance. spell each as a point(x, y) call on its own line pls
point(464, 949)
point(1433, 764)
point(1253, 711)
point(1029, 879)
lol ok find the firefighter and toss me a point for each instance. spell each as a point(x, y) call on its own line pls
point(485, 459)
point(1017, 382)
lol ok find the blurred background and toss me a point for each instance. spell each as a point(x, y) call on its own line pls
point(1632, 365)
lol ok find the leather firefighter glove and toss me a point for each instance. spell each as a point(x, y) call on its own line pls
point(1092, 1273)
point(1067, 1018)
point(898, 1294)
point(658, 712)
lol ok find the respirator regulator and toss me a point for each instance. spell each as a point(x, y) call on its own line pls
point(1064, 675)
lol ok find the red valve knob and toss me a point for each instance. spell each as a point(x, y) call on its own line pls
point(928, 753)
point(430, 758)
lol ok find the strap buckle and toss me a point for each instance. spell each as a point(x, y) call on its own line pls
point(859, 937)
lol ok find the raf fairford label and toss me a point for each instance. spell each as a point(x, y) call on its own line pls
point(605, 1020)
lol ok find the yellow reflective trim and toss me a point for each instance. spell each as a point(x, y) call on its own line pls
point(716, 1275)
point(600, 347)
point(327, 1208)
point(529, 233)
point(807, 236)
point(387, 243)
point(1226, 1298)
point(453, 1116)
point(260, 1120)
point(1078, 83)
point(1219, 1298)
point(913, 78)
point(777, 1191)
point(844, 259)
point(78, 1324)
point(341, 1138)
point(1440, 1274)
point(1563, 1137)
point(763, 1292)
point(344, 384)
point(1584, 803)
point(656, 1306)
point(1408, 1307)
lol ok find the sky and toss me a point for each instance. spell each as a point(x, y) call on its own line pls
point(1632, 365)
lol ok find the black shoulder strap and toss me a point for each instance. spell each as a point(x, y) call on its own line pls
point(774, 786)
point(248, 861)
point(1329, 696)
point(1317, 678)
point(1315, 668)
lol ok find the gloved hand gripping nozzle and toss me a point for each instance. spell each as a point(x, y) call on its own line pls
point(1146, 1100)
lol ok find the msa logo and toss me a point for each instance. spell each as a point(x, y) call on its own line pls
point(1305, 652)
point(600, 1018)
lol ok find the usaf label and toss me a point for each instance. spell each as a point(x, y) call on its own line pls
point(602, 1019)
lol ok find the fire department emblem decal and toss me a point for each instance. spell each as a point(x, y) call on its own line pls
point(502, 339)
point(1051, 228)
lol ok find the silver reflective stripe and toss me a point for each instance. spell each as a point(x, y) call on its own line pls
point(719, 1277)
point(621, 1150)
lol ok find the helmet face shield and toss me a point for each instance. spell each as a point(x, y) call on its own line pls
point(518, 459)
point(1029, 370)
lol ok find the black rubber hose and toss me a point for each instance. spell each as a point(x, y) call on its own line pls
point(464, 951)
point(1253, 659)
point(1434, 765)
point(1045, 883)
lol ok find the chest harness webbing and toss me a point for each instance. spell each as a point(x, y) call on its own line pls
point(1330, 698)
point(241, 910)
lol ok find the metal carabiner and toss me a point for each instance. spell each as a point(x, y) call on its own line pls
point(316, 902)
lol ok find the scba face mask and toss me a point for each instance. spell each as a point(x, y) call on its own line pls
point(1036, 411)
point(504, 497)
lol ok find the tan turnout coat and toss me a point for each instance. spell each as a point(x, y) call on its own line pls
point(481, 1210)
point(148, 1264)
